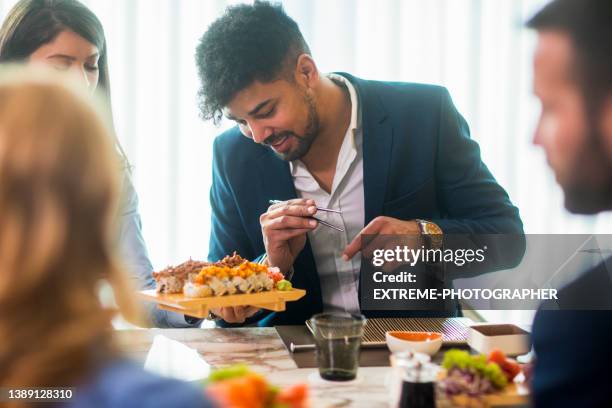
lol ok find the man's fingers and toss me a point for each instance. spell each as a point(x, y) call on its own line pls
point(295, 201)
point(238, 312)
point(352, 248)
point(241, 313)
point(226, 313)
point(235, 314)
point(289, 222)
point(285, 235)
point(218, 312)
point(294, 210)
point(252, 311)
point(355, 246)
point(376, 242)
point(246, 311)
point(289, 214)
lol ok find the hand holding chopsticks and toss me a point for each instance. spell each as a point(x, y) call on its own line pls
point(327, 224)
point(284, 226)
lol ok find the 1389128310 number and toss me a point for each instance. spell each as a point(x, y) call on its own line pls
point(35, 394)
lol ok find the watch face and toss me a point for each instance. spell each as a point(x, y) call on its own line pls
point(433, 233)
point(432, 229)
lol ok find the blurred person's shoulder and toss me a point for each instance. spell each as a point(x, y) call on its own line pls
point(572, 345)
point(571, 339)
point(124, 384)
point(591, 291)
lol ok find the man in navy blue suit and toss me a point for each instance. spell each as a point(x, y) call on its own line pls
point(394, 158)
point(573, 80)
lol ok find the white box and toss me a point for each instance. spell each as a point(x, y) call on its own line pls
point(510, 339)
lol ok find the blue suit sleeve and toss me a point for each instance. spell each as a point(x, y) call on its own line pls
point(227, 232)
point(471, 200)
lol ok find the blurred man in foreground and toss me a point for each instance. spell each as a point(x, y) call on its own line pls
point(573, 80)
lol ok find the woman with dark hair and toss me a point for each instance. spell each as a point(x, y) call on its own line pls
point(67, 36)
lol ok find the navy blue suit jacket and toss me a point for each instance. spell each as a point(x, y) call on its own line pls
point(572, 345)
point(418, 162)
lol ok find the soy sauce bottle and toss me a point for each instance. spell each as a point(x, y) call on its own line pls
point(418, 387)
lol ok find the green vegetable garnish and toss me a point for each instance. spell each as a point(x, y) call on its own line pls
point(284, 284)
point(463, 360)
point(226, 373)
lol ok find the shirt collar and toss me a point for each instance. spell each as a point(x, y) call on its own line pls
point(354, 124)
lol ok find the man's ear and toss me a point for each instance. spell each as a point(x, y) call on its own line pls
point(306, 72)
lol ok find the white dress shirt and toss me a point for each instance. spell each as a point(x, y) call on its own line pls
point(339, 278)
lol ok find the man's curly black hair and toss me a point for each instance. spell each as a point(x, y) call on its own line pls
point(257, 42)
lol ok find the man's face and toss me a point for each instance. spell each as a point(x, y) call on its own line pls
point(563, 129)
point(279, 114)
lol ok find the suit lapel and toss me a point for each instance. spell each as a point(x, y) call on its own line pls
point(377, 144)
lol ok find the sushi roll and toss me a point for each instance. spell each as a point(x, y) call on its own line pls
point(255, 283)
point(173, 278)
point(241, 284)
point(268, 283)
point(217, 286)
point(195, 290)
point(230, 287)
point(233, 274)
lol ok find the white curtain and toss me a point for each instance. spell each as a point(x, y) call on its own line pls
point(478, 49)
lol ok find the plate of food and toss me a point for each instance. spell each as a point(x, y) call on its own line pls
point(194, 287)
point(469, 380)
point(238, 386)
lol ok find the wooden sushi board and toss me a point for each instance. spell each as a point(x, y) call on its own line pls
point(510, 396)
point(198, 307)
point(514, 394)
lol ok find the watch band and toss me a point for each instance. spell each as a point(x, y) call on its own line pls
point(212, 317)
point(432, 234)
point(192, 320)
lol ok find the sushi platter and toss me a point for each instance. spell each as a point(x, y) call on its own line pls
point(199, 307)
point(194, 287)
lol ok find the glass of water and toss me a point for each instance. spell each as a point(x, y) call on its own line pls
point(338, 339)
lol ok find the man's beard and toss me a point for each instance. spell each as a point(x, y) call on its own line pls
point(305, 141)
point(590, 189)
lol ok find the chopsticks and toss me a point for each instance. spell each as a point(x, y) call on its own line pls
point(318, 208)
point(320, 221)
point(329, 210)
point(327, 224)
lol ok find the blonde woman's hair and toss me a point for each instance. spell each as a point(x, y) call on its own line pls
point(58, 193)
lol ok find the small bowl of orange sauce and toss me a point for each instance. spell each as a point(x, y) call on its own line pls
point(419, 342)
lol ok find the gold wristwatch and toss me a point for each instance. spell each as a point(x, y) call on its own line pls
point(432, 234)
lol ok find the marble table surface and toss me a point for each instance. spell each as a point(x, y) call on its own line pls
point(263, 350)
